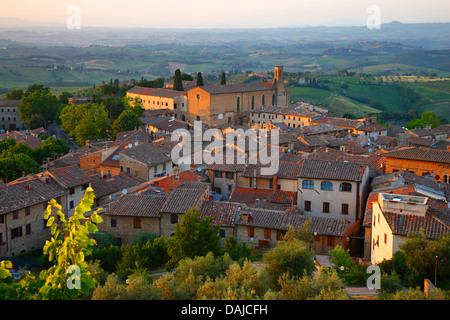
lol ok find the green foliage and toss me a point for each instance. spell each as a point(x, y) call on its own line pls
point(143, 237)
point(85, 122)
point(302, 234)
point(13, 165)
point(294, 257)
point(177, 81)
point(238, 251)
point(193, 237)
point(14, 94)
point(420, 258)
point(428, 118)
point(223, 79)
point(325, 285)
point(199, 79)
point(127, 121)
point(50, 148)
point(137, 288)
point(69, 245)
point(38, 102)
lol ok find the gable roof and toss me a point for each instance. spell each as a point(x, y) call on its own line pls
point(137, 205)
point(156, 92)
point(185, 197)
point(331, 170)
point(232, 88)
point(69, 177)
point(223, 213)
point(420, 155)
point(281, 220)
point(146, 153)
point(28, 191)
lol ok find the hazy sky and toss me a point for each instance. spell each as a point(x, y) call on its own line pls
point(225, 13)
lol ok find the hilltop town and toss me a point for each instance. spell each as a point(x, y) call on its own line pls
point(361, 185)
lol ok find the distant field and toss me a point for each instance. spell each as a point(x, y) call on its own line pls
point(386, 94)
point(335, 103)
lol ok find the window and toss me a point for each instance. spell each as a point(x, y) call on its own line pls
point(222, 233)
point(113, 223)
point(173, 219)
point(174, 105)
point(271, 184)
point(229, 175)
point(326, 185)
point(2, 219)
point(218, 174)
point(326, 207)
point(253, 102)
point(345, 187)
point(136, 223)
point(385, 238)
point(344, 208)
point(71, 204)
point(15, 214)
point(307, 205)
point(16, 232)
point(238, 100)
point(28, 229)
point(251, 232)
point(267, 233)
point(263, 100)
point(128, 170)
point(308, 184)
point(273, 99)
point(72, 190)
point(250, 183)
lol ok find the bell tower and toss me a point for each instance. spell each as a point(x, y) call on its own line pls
point(282, 94)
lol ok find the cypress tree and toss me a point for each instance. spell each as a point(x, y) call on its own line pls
point(199, 79)
point(177, 83)
point(223, 79)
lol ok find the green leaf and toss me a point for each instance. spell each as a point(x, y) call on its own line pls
point(96, 218)
point(50, 221)
point(53, 229)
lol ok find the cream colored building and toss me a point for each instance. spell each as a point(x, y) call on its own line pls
point(391, 208)
point(158, 98)
point(293, 115)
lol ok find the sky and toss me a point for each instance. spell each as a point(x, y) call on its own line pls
point(225, 13)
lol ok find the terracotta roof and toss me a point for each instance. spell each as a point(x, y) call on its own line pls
point(157, 92)
point(186, 196)
point(28, 191)
point(340, 122)
point(103, 187)
point(224, 213)
point(374, 126)
point(426, 142)
point(165, 123)
point(9, 103)
point(280, 220)
point(146, 153)
point(69, 177)
point(331, 170)
point(267, 198)
point(402, 224)
point(420, 155)
point(286, 170)
point(133, 135)
point(171, 181)
point(231, 88)
point(137, 205)
point(314, 141)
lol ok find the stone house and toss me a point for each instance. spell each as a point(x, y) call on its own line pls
point(263, 228)
point(145, 161)
point(183, 198)
point(333, 189)
point(22, 207)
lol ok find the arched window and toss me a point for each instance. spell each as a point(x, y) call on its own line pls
point(198, 118)
point(137, 223)
point(346, 187)
point(326, 185)
point(173, 219)
point(238, 100)
point(183, 117)
point(253, 102)
point(308, 184)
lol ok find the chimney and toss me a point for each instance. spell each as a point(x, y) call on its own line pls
point(275, 182)
point(28, 187)
point(257, 203)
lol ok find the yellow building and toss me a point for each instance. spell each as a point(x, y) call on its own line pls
point(158, 98)
point(395, 215)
